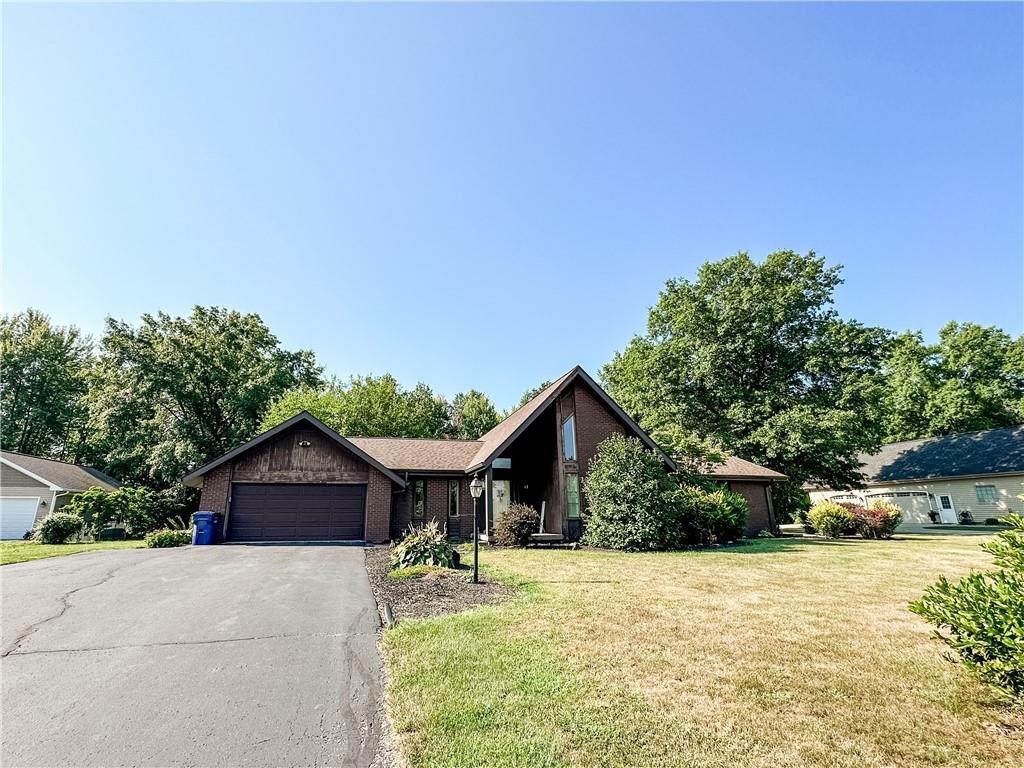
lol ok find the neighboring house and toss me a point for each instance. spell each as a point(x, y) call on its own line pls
point(941, 478)
point(31, 488)
point(303, 481)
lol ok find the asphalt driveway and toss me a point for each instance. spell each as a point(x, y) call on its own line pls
point(205, 656)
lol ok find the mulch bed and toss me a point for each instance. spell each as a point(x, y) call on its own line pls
point(434, 594)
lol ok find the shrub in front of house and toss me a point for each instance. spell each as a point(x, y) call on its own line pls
point(879, 520)
point(830, 519)
point(632, 503)
point(712, 515)
point(168, 537)
point(58, 528)
point(981, 616)
point(427, 545)
point(516, 525)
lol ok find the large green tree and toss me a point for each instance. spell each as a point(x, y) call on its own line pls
point(972, 378)
point(752, 359)
point(45, 372)
point(174, 392)
point(371, 406)
point(472, 414)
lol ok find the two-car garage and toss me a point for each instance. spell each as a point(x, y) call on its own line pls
point(300, 481)
point(296, 512)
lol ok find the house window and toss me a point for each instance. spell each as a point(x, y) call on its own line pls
point(986, 494)
point(569, 439)
point(453, 498)
point(572, 496)
point(419, 499)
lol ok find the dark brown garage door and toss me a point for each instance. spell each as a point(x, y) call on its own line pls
point(288, 512)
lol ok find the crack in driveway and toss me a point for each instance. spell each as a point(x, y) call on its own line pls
point(65, 601)
point(173, 643)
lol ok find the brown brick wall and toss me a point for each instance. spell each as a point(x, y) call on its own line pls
point(758, 516)
point(378, 507)
point(594, 424)
point(216, 489)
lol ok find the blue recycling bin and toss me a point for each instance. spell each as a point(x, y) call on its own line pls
point(203, 528)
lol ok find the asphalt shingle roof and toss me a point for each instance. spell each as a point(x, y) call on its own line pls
point(733, 466)
point(991, 451)
point(70, 477)
point(407, 453)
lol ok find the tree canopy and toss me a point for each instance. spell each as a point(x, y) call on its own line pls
point(472, 414)
point(752, 358)
point(46, 372)
point(174, 392)
point(371, 406)
point(971, 379)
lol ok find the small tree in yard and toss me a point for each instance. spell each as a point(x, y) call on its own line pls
point(135, 508)
point(632, 501)
point(982, 616)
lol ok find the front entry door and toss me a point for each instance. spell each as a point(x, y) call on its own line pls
point(947, 513)
point(500, 500)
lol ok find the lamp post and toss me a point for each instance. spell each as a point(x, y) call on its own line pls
point(476, 489)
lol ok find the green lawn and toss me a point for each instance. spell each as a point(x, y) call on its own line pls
point(21, 551)
point(780, 653)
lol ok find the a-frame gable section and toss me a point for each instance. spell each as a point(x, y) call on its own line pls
point(297, 420)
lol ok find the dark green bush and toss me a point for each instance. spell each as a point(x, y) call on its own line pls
point(632, 502)
point(516, 526)
point(982, 616)
point(830, 519)
point(58, 527)
point(424, 546)
point(712, 515)
point(165, 537)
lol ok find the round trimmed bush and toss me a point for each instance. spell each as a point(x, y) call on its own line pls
point(58, 528)
point(830, 519)
point(516, 526)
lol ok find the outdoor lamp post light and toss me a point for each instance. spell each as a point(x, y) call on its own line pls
point(476, 489)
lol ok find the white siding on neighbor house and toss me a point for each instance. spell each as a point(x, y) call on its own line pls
point(962, 492)
point(14, 484)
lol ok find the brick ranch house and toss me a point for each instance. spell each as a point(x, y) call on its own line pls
point(301, 481)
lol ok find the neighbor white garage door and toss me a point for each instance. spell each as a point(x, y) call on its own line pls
point(17, 516)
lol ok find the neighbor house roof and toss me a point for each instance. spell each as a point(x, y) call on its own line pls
point(735, 468)
point(419, 454)
point(988, 452)
point(59, 475)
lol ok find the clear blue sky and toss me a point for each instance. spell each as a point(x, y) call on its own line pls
point(485, 195)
